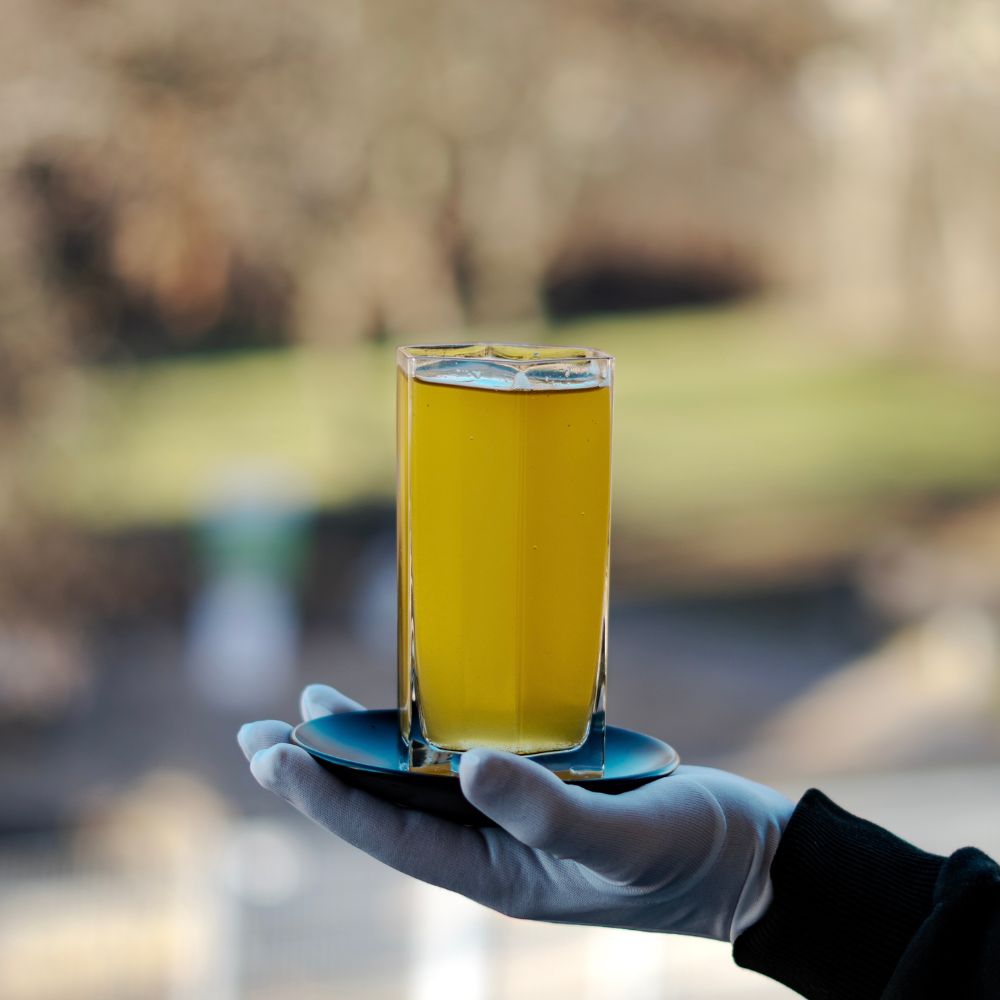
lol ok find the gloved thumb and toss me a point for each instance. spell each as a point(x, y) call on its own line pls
point(667, 830)
point(536, 807)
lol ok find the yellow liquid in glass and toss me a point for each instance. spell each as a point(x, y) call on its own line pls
point(508, 502)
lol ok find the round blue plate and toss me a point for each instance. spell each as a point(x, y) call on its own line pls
point(364, 750)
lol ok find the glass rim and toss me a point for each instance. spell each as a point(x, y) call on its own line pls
point(533, 354)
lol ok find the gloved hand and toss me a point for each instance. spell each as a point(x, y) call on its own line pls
point(689, 853)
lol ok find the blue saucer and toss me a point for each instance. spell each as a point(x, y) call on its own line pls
point(364, 750)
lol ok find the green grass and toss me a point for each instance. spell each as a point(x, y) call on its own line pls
point(720, 417)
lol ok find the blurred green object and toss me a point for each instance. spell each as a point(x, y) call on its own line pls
point(729, 430)
point(268, 542)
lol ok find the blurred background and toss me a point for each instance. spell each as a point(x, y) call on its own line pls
point(216, 223)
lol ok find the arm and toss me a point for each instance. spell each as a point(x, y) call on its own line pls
point(829, 904)
point(859, 913)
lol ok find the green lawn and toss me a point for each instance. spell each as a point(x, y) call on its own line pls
point(722, 421)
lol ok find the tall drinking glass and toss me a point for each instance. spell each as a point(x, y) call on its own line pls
point(504, 484)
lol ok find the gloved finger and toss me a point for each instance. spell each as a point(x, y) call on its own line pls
point(613, 835)
point(538, 808)
point(321, 699)
point(255, 736)
point(430, 849)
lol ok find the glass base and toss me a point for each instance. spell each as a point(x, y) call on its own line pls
point(573, 764)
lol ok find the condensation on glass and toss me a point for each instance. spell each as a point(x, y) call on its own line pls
point(503, 501)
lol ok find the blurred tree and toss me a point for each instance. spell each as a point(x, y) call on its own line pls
point(331, 172)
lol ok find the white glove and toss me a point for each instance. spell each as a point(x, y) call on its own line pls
point(688, 854)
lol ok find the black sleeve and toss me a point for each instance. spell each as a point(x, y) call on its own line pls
point(859, 914)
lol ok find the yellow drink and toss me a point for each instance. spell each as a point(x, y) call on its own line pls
point(504, 500)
